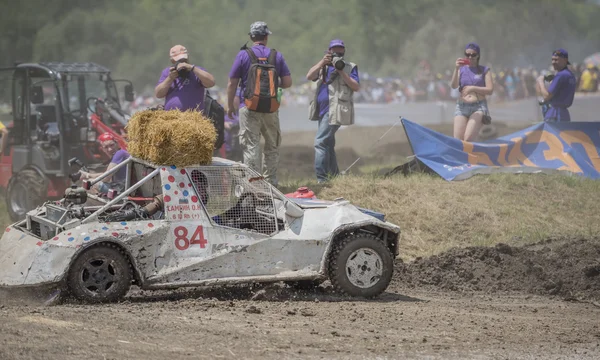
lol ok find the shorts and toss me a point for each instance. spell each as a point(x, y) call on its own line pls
point(468, 109)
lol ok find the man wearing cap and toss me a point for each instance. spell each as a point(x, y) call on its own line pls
point(183, 84)
point(559, 95)
point(253, 124)
point(332, 106)
point(117, 155)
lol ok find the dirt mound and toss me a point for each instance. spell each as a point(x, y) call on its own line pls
point(570, 269)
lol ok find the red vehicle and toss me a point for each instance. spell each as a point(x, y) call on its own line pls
point(48, 105)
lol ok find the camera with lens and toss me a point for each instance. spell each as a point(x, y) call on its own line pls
point(337, 60)
point(549, 77)
point(181, 72)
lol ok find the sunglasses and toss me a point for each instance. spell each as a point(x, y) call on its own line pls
point(471, 55)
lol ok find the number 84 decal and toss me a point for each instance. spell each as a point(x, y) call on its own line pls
point(182, 242)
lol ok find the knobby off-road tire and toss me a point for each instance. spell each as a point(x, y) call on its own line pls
point(360, 265)
point(26, 191)
point(100, 274)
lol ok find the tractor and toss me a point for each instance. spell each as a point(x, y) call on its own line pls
point(54, 112)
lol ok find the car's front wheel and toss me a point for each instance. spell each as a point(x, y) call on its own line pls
point(360, 265)
point(100, 274)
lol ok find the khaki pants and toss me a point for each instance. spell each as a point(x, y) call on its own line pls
point(252, 125)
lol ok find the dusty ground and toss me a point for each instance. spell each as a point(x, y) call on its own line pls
point(465, 303)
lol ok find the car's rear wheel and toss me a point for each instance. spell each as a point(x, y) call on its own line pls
point(26, 191)
point(360, 265)
point(100, 274)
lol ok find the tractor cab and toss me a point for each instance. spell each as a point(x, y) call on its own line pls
point(54, 112)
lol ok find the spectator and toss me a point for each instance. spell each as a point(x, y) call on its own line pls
point(333, 106)
point(588, 79)
point(474, 83)
point(257, 122)
point(232, 128)
point(183, 85)
point(560, 93)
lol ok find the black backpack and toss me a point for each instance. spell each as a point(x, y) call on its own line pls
point(216, 113)
point(262, 83)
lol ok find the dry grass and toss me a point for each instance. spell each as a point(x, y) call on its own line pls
point(171, 137)
point(436, 215)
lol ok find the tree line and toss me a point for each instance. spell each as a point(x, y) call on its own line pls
point(385, 37)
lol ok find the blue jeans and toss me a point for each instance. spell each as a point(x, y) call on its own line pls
point(325, 160)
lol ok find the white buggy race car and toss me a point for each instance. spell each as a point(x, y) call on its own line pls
point(173, 227)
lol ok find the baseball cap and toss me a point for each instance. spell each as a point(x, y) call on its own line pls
point(562, 53)
point(336, 42)
point(178, 52)
point(473, 46)
point(259, 28)
point(106, 137)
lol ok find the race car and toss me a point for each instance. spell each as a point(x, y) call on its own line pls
point(173, 227)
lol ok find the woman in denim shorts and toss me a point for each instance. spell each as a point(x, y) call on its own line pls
point(475, 83)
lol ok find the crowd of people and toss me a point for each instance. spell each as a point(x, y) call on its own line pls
point(470, 84)
point(511, 84)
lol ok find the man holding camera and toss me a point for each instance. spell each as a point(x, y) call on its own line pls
point(333, 105)
point(260, 72)
point(558, 97)
point(183, 84)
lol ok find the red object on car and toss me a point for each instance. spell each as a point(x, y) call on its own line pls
point(302, 193)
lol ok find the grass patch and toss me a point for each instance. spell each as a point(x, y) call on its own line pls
point(436, 215)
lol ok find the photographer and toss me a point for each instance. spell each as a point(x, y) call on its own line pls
point(558, 96)
point(182, 84)
point(333, 105)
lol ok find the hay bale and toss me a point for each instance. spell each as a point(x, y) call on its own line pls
point(171, 137)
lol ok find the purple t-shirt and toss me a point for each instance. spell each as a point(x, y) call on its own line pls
point(323, 94)
point(241, 65)
point(472, 76)
point(184, 94)
point(229, 136)
point(119, 157)
point(562, 89)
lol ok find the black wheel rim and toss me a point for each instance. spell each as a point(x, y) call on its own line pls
point(99, 277)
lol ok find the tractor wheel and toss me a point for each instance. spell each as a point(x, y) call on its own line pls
point(360, 265)
point(26, 191)
point(100, 274)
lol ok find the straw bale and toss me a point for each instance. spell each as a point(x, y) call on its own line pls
point(171, 137)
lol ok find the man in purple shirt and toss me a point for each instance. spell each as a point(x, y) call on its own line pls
point(345, 82)
point(183, 84)
point(253, 124)
point(558, 97)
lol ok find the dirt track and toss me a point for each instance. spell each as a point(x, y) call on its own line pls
point(419, 316)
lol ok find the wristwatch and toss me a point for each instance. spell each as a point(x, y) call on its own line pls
point(193, 66)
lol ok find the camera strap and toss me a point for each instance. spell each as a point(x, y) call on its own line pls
point(332, 77)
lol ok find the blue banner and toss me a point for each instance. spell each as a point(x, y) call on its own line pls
point(544, 147)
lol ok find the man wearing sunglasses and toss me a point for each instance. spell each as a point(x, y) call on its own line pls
point(117, 155)
point(558, 96)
